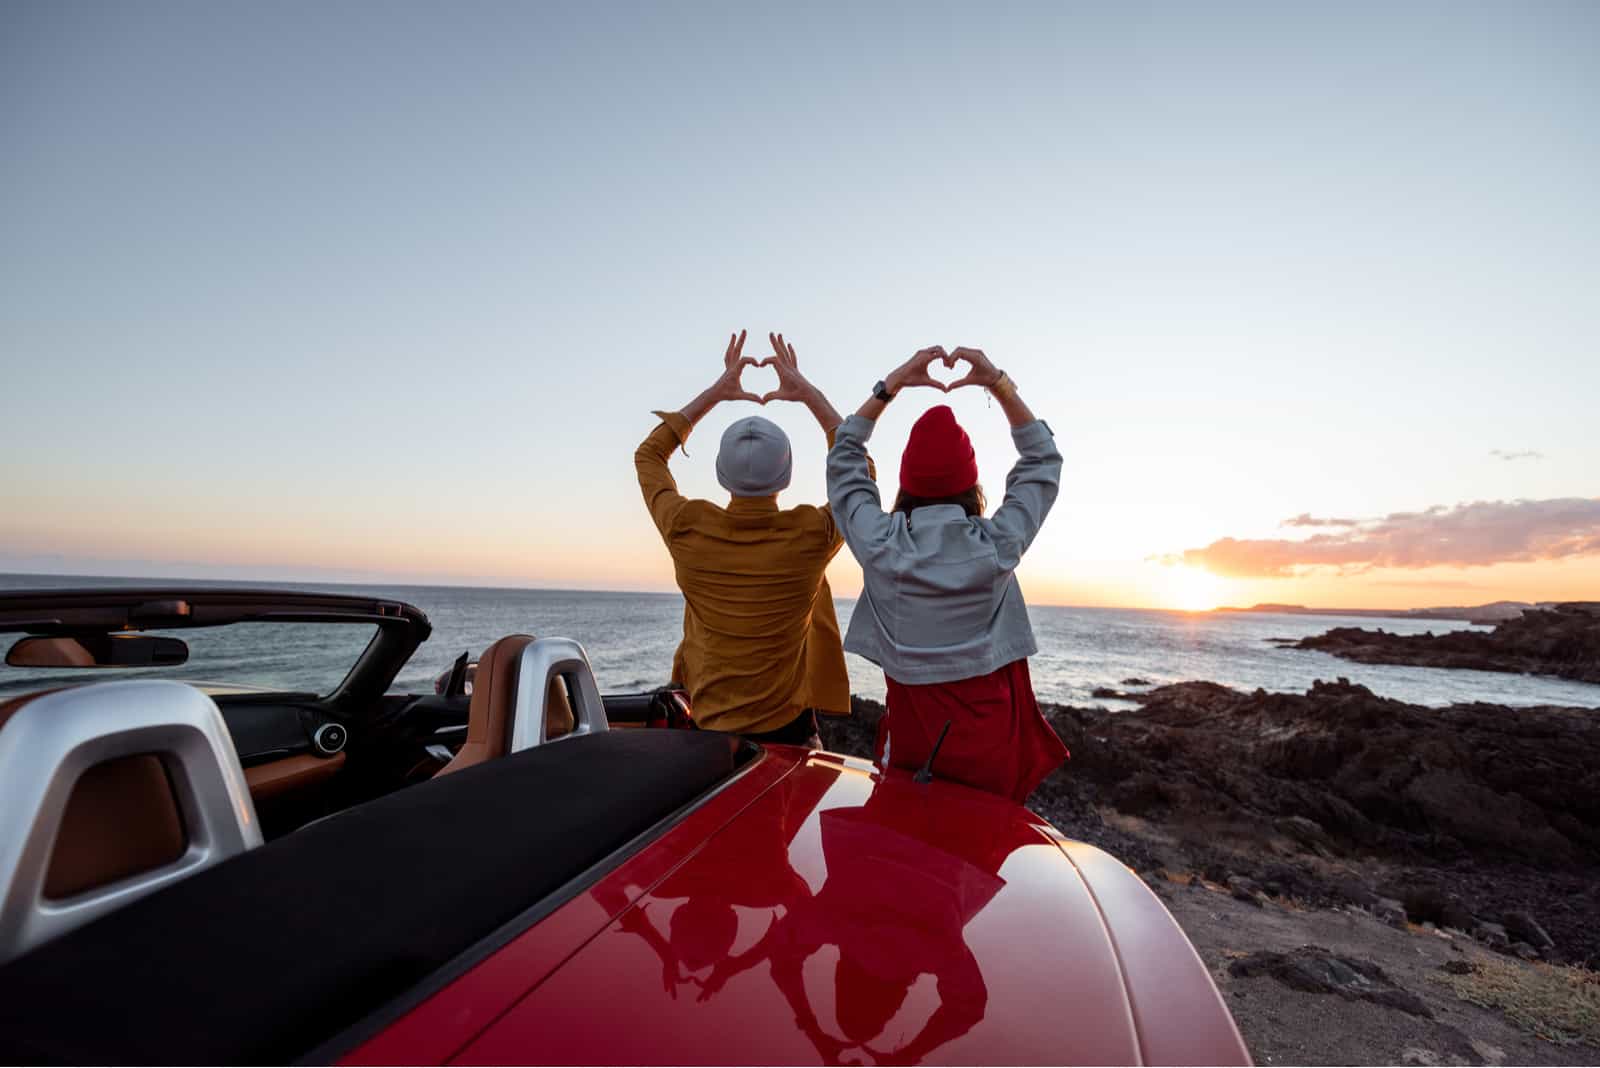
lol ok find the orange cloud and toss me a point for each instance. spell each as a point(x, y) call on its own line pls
point(1478, 534)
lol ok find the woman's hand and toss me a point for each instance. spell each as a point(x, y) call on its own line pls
point(982, 373)
point(914, 372)
point(792, 385)
point(727, 386)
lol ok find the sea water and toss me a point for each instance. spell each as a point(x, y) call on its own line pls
point(630, 638)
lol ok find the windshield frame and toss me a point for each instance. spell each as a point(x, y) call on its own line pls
point(401, 627)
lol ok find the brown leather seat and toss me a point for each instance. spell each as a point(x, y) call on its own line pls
point(121, 819)
point(494, 702)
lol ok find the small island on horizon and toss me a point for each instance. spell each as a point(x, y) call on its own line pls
point(1494, 612)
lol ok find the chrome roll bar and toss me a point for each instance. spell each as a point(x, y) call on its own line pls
point(541, 661)
point(55, 738)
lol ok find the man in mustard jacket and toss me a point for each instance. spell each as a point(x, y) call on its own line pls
point(761, 653)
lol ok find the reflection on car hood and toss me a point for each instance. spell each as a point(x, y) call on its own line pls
point(850, 917)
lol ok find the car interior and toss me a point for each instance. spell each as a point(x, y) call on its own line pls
point(159, 836)
point(308, 755)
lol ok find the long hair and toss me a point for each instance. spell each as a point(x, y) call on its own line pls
point(970, 501)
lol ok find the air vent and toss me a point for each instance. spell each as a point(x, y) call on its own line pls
point(330, 738)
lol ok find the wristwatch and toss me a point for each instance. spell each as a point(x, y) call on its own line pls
point(881, 391)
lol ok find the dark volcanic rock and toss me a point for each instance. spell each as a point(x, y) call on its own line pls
point(1564, 641)
point(1522, 926)
point(1491, 935)
point(1317, 971)
point(1245, 889)
point(1344, 769)
point(855, 734)
point(1388, 910)
point(1308, 833)
point(1498, 808)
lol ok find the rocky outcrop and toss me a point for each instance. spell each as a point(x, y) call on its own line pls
point(1341, 769)
point(1317, 971)
point(1563, 640)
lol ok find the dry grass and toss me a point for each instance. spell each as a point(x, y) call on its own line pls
point(1558, 1004)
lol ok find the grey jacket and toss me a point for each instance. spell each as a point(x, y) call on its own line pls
point(940, 601)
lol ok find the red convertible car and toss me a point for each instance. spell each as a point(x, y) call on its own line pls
point(194, 871)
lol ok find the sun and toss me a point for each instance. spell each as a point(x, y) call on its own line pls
point(1192, 589)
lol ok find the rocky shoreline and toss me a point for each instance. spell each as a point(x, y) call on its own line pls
point(1563, 640)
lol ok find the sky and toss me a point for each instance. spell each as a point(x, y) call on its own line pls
point(388, 291)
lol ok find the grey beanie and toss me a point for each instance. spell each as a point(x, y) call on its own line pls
point(754, 459)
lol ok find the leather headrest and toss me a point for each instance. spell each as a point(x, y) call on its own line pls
point(494, 703)
point(494, 700)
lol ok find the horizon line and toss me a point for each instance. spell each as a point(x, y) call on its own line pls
point(460, 585)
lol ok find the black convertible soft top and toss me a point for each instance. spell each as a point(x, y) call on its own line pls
point(277, 952)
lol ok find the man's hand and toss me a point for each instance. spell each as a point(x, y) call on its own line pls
point(727, 387)
point(792, 385)
point(982, 373)
point(914, 372)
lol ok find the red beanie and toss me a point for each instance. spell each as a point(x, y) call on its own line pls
point(938, 461)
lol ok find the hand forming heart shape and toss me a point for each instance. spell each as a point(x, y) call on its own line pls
point(791, 384)
point(918, 371)
point(766, 384)
point(940, 373)
point(980, 371)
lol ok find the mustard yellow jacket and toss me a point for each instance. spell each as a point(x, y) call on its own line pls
point(760, 637)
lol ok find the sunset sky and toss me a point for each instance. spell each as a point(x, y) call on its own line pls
point(387, 291)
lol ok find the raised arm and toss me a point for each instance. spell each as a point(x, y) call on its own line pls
point(914, 372)
point(660, 490)
point(1035, 479)
point(794, 386)
point(852, 482)
point(727, 386)
point(997, 382)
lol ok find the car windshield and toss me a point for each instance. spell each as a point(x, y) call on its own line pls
point(239, 658)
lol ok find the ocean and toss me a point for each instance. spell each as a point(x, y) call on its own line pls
point(630, 639)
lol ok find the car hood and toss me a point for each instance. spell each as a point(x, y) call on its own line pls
point(851, 917)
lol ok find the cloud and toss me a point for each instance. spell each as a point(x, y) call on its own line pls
point(1525, 454)
point(1429, 584)
point(1476, 534)
point(1306, 519)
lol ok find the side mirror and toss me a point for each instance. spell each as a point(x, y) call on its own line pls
point(456, 680)
point(98, 651)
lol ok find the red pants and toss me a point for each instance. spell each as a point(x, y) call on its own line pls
point(998, 741)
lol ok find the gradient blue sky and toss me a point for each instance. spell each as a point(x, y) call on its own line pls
point(388, 290)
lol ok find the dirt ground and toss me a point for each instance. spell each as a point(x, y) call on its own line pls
point(1287, 1026)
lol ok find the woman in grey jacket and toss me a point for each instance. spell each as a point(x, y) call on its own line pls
point(940, 609)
